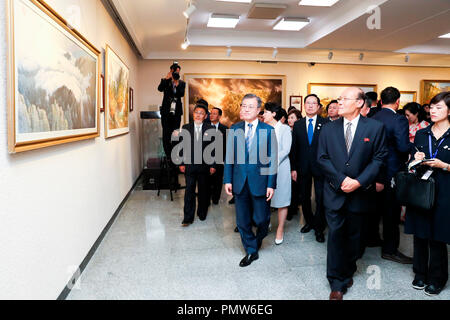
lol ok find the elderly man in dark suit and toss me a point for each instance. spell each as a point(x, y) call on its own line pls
point(195, 166)
point(250, 173)
point(351, 152)
point(399, 147)
point(304, 167)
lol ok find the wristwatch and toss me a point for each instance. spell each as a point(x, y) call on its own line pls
point(446, 168)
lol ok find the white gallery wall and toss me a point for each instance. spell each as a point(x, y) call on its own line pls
point(55, 202)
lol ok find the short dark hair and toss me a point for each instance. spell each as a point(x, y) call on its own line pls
point(372, 95)
point(202, 107)
point(218, 109)
point(202, 102)
point(312, 95)
point(389, 95)
point(443, 96)
point(274, 107)
point(297, 113)
point(332, 101)
point(175, 66)
point(261, 113)
point(252, 96)
point(291, 108)
point(412, 107)
point(283, 113)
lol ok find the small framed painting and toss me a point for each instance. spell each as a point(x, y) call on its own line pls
point(296, 101)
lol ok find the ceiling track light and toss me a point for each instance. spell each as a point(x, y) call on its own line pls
point(229, 51)
point(185, 44)
point(330, 55)
point(407, 58)
point(361, 56)
point(275, 52)
point(189, 10)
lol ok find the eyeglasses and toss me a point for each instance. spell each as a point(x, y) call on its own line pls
point(346, 99)
point(199, 113)
point(311, 104)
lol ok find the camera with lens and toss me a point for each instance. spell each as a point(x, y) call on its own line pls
point(175, 73)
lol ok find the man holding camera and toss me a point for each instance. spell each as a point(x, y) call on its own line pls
point(172, 107)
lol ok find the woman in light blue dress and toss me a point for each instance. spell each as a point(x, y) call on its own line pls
point(282, 196)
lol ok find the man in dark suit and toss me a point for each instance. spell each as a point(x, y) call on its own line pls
point(195, 139)
point(374, 107)
point(216, 180)
point(351, 152)
point(172, 107)
point(304, 167)
point(250, 173)
point(399, 147)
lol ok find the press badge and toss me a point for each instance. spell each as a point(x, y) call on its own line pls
point(427, 175)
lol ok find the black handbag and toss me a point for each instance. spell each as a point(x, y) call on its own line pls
point(411, 190)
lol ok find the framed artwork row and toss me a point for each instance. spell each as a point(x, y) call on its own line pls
point(53, 79)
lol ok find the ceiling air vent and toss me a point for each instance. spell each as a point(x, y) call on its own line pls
point(266, 11)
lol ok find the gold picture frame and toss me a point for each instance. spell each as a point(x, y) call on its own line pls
point(46, 107)
point(225, 91)
point(117, 75)
point(407, 97)
point(430, 88)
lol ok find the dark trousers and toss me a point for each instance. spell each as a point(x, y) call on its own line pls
point(295, 198)
point(373, 219)
point(194, 177)
point(215, 184)
point(169, 123)
point(317, 221)
point(344, 246)
point(390, 213)
point(248, 208)
point(430, 261)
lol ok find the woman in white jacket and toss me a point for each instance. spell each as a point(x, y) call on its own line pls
point(282, 196)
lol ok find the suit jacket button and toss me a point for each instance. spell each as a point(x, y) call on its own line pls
point(347, 164)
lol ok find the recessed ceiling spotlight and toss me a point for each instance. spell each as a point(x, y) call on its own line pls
point(185, 44)
point(330, 55)
point(407, 58)
point(222, 21)
point(318, 3)
point(445, 36)
point(229, 51)
point(275, 52)
point(361, 56)
point(190, 10)
point(291, 24)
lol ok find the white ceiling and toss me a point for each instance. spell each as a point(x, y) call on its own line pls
point(158, 28)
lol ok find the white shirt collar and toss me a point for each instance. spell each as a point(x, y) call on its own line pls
point(354, 122)
point(254, 123)
point(391, 110)
point(197, 126)
point(314, 119)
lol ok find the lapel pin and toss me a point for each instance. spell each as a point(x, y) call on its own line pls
point(366, 140)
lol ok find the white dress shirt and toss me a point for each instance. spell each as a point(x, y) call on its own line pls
point(198, 130)
point(353, 127)
point(313, 122)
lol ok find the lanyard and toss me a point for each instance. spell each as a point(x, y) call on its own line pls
point(433, 155)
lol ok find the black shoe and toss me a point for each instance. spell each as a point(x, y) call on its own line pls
point(418, 284)
point(185, 224)
point(397, 257)
point(202, 218)
point(320, 237)
point(231, 201)
point(432, 290)
point(236, 229)
point(307, 228)
point(248, 259)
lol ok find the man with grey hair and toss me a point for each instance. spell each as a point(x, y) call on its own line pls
point(250, 174)
point(351, 152)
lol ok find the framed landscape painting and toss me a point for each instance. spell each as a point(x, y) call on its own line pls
point(226, 91)
point(430, 88)
point(53, 76)
point(296, 101)
point(407, 97)
point(117, 91)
